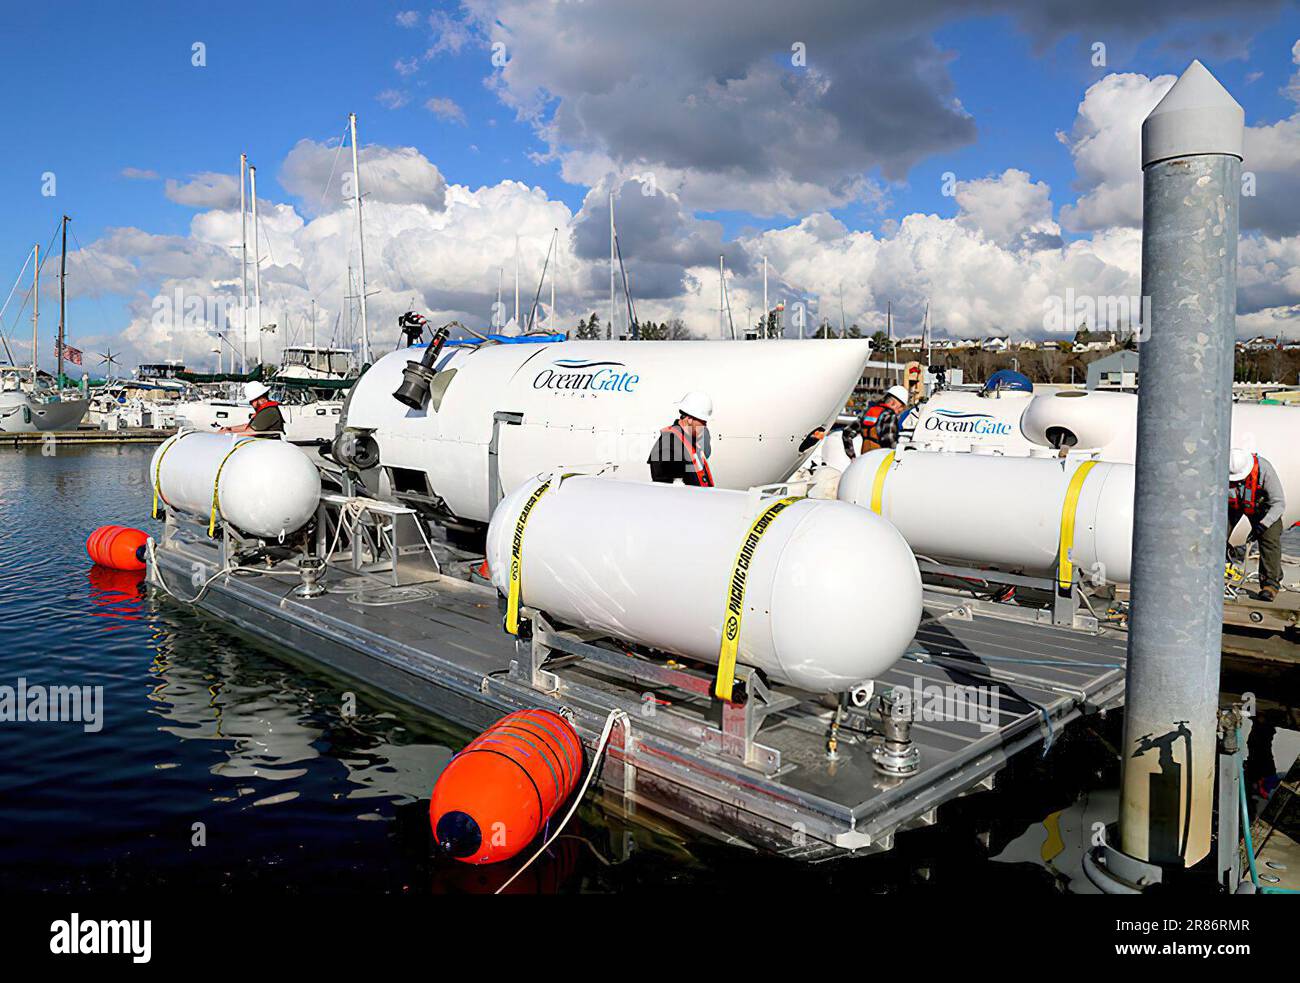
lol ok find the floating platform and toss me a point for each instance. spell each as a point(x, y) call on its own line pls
point(985, 681)
point(87, 435)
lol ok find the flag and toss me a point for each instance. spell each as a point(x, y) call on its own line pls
point(70, 354)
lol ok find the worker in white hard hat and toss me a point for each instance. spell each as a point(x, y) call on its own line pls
point(681, 452)
point(880, 421)
point(266, 418)
point(1255, 492)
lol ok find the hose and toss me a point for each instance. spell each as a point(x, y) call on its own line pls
point(1245, 824)
point(614, 717)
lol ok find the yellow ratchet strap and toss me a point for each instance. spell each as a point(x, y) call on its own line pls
point(157, 474)
point(1065, 569)
point(216, 484)
point(878, 485)
point(735, 609)
point(516, 559)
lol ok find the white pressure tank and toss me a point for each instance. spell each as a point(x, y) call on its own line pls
point(832, 597)
point(1106, 424)
point(1004, 512)
point(264, 487)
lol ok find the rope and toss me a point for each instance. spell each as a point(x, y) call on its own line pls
point(614, 717)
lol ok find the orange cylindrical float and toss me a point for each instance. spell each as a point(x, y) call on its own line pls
point(493, 798)
point(117, 547)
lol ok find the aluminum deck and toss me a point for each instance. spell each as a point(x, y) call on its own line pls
point(440, 646)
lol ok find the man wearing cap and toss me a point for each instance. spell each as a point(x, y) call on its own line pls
point(682, 451)
point(266, 418)
point(880, 422)
point(1255, 491)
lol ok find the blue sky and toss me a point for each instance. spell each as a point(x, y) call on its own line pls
point(98, 88)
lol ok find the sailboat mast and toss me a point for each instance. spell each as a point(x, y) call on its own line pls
point(243, 263)
point(257, 265)
point(721, 287)
point(63, 299)
point(36, 310)
point(555, 245)
point(766, 310)
point(517, 324)
point(361, 240)
point(609, 328)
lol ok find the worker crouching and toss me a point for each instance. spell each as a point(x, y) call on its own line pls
point(1255, 492)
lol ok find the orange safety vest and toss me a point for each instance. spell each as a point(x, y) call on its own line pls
point(698, 461)
point(869, 421)
point(1243, 496)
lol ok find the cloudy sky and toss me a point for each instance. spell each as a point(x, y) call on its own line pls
point(981, 158)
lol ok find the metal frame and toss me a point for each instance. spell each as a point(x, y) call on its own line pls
point(494, 453)
point(736, 738)
point(1067, 609)
point(394, 537)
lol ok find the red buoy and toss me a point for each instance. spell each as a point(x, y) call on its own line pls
point(494, 797)
point(117, 547)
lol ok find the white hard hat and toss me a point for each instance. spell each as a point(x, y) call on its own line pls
point(697, 405)
point(254, 390)
point(898, 392)
point(1240, 463)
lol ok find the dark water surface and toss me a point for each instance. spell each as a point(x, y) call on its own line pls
point(204, 726)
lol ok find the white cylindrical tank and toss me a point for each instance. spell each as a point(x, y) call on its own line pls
point(1105, 423)
point(265, 487)
point(1001, 511)
point(830, 600)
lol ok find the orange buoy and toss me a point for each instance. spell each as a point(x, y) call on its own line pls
point(494, 797)
point(117, 547)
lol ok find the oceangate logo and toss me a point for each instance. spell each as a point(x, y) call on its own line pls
point(586, 376)
point(954, 421)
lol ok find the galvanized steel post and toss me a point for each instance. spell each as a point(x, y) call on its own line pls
point(1191, 161)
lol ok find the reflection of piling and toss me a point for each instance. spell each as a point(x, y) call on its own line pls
point(1191, 160)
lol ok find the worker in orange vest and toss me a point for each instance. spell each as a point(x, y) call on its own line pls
point(880, 421)
point(266, 418)
point(1255, 491)
point(681, 452)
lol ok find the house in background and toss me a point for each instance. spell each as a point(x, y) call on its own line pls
point(1117, 371)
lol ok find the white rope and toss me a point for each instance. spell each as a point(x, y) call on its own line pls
point(614, 717)
point(158, 578)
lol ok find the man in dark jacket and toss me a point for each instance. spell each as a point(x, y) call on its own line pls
point(266, 418)
point(682, 450)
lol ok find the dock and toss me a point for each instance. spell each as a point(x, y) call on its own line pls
point(785, 772)
point(86, 435)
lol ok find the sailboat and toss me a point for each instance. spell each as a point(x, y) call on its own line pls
point(39, 408)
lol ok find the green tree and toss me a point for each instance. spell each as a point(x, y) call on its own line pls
point(589, 330)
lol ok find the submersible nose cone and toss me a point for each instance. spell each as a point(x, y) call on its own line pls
point(458, 835)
